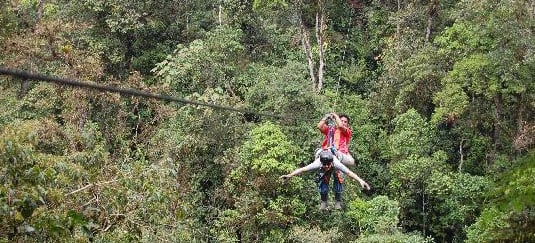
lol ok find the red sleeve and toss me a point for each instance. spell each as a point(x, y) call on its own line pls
point(347, 132)
point(324, 129)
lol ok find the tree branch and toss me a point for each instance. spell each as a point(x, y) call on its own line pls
point(90, 185)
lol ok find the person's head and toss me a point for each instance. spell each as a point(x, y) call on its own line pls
point(345, 119)
point(326, 158)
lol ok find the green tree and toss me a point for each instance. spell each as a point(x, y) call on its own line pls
point(410, 186)
point(509, 214)
point(41, 175)
point(409, 72)
point(205, 63)
point(454, 201)
point(412, 136)
point(136, 35)
point(487, 47)
point(376, 216)
point(261, 203)
point(377, 220)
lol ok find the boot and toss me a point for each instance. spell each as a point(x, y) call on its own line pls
point(338, 205)
point(323, 205)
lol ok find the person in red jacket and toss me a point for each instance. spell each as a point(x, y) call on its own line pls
point(337, 136)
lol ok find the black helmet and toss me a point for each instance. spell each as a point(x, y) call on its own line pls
point(326, 157)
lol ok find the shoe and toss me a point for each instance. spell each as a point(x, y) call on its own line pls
point(338, 205)
point(323, 205)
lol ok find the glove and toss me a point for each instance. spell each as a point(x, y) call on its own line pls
point(365, 186)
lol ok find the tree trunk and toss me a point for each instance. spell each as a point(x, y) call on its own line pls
point(317, 81)
point(239, 235)
point(320, 27)
point(519, 121)
point(525, 132)
point(398, 24)
point(496, 136)
point(430, 15)
point(424, 214)
point(220, 15)
point(308, 51)
point(24, 88)
point(40, 10)
point(461, 153)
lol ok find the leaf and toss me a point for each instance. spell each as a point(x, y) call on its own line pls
point(76, 218)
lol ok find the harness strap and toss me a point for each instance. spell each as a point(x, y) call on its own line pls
point(330, 137)
point(326, 175)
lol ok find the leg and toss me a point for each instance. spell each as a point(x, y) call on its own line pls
point(338, 165)
point(346, 159)
point(338, 189)
point(324, 192)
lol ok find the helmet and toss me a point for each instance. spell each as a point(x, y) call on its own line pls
point(326, 157)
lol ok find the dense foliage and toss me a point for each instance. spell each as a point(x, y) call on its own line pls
point(441, 96)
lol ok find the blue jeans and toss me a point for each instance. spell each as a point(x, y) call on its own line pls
point(323, 187)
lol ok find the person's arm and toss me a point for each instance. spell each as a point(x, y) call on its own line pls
point(338, 121)
point(363, 184)
point(338, 165)
point(294, 173)
point(323, 122)
point(316, 164)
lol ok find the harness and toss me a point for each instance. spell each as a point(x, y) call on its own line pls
point(325, 176)
point(330, 137)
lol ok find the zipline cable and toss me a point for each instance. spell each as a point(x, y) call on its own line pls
point(126, 91)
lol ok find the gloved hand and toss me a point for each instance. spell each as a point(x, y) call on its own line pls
point(365, 186)
point(285, 177)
